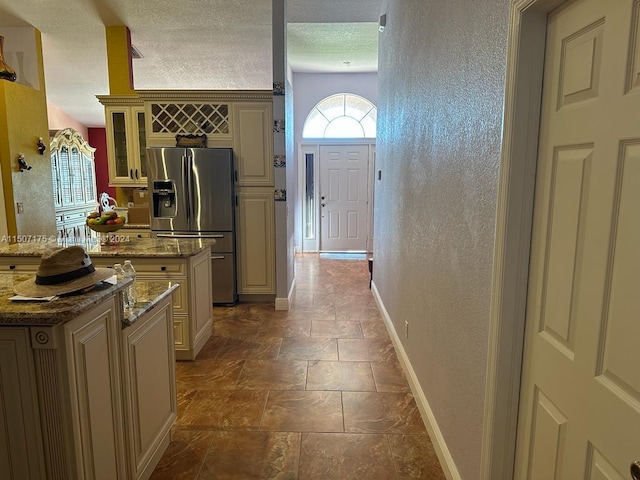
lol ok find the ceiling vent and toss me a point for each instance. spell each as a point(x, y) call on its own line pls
point(135, 53)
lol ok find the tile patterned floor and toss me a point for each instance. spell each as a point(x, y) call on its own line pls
point(313, 393)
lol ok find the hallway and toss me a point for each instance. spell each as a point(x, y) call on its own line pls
point(313, 393)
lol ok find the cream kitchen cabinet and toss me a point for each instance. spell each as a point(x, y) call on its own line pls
point(86, 398)
point(192, 300)
point(255, 221)
point(184, 262)
point(149, 388)
point(253, 143)
point(62, 403)
point(126, 141)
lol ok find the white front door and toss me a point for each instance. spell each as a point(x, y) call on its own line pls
point(580, 394)
point(343, 197)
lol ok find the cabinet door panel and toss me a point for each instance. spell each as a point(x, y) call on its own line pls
point(150, 394)
point(256, 244)
point(253, 143)
point(20, 450)
point(95, 381)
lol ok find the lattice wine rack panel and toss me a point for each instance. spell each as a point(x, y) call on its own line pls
point(196, 118)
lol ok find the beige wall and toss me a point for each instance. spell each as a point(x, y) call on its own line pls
point(59, 120)
point(440, 106)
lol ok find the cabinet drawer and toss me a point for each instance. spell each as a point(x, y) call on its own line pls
point(70, 217)
point(21, 265)
point(159, 266)
point(180, 298)
point(136, 232)
point(156, 268)
point(180, 334)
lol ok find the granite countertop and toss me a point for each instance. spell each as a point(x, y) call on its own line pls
point(148, 294)
point(68, 307)
point(141, 226)
point(121, 245)
point(60, 310)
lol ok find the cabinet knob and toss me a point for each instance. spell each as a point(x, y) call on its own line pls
point(12, 267)
point(137, 177)
point(131, 173)
point(163, 268)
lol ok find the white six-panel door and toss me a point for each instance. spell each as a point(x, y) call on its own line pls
point(343, 197)
point(580, 395)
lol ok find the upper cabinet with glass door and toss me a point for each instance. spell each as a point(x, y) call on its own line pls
point(126, 143)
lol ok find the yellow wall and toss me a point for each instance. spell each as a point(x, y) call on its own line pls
point(23, 118)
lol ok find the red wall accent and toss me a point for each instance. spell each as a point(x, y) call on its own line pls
point(98, 140)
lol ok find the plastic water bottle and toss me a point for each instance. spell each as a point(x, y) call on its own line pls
point(130, 272)
point(120, 275)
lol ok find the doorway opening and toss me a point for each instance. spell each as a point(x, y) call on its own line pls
point(336, 175)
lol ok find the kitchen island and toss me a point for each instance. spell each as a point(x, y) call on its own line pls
point(87, 390)
point(186, 262)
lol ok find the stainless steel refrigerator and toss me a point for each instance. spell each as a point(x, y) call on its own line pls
point(191, 194)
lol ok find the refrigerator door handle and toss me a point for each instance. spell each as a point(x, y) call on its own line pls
point(217, 257)
point(186, 235)
point(186, 163)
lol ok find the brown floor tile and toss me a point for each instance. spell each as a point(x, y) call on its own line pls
point(210, 349)
point(373, 412)
point(362, 314)
point(252, 455)
point(354, 299)
point(374, 330)
point(295, 411)
point(334, 329)
point(366, 350)
point(263, 348)
point(208, 374)
point(414, 457)
point(273, 375)
point(285, 327)
point(309, 349)
point(185, 455)
point(315, 392)
point(389, 377)
point(343, 456)
point(225, 409)
point(237, 327)
point(351, 376)
point(318, 313)
point(303, 299)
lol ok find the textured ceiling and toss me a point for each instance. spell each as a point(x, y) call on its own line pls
point(190, 44)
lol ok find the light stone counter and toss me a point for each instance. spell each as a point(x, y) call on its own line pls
point(67, 307)
point(58, 311)
point(148, 294)
point(186, 262)
point(121, 246)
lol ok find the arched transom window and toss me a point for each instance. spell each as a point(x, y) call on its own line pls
point(343, 115)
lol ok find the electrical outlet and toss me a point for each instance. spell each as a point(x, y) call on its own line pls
point(406, 329)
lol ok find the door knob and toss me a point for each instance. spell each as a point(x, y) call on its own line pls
point(635, 470)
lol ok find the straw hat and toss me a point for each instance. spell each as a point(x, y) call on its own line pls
point(63, 270)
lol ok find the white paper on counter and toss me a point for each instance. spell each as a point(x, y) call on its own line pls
point(20, 298)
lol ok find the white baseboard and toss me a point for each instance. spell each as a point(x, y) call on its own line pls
point(440, 446)
point(285, 303)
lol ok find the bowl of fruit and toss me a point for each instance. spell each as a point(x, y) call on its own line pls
point(108, 222)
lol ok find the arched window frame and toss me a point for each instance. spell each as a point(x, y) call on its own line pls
point(343, 115)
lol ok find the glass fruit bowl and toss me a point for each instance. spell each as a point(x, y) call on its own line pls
point(105, 228)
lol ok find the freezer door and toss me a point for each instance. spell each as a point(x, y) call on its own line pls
point(212, 197)
point(168, 187)
point(223, 276)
